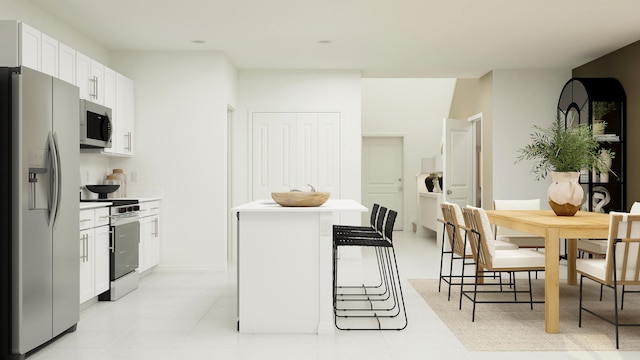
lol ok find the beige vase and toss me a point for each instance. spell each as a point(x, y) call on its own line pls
point(565, 193)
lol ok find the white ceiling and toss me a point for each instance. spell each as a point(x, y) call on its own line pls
point(383, 38)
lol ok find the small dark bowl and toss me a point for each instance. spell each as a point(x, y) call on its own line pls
point(102, 190)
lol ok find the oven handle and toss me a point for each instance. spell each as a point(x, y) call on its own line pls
point(112, 243)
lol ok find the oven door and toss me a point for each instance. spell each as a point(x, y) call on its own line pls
point(125, 239)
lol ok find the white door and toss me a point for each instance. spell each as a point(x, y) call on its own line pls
point(459, 163)
point(292, 150)
point(382, 175)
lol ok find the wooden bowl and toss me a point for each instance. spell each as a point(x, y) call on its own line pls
point(300, 198)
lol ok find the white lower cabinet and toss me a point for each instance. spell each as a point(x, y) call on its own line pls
point(94, 252)
point(149, 235)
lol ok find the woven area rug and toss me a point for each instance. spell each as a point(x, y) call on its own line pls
point(515, 327)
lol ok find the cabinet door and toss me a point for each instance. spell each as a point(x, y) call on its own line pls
point(123, 116)
point(101, 259)
point(142, 259)
point(49, 55)
point(110, 100)
point(87, 284)
point(152, 243)
point(127, 114)
point(97, 79)
point(30, 47)
point(83, 76)
point(66, 63)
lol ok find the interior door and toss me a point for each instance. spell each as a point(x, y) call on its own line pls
point(459, 162)
point(291, 150)
point(382, 175)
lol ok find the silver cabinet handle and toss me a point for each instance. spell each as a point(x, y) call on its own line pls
point(85, 244)
point(156, 226)
point(82, 252)
point(128, 136)
point(87, 247)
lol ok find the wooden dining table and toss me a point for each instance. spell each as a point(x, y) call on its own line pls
point(547, 224)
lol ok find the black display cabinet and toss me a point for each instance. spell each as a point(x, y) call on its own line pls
point(601, 103)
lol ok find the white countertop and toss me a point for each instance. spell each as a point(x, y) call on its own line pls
point(93, 205)
point(99, 204)
point(268, 205)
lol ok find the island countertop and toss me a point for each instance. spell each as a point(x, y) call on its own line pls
point(332, 205)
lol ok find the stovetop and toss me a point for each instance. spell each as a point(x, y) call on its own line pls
point(116, 202)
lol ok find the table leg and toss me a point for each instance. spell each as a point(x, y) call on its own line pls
point(552, 282)
point(572, 254)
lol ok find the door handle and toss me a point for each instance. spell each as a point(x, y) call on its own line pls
point(449, 192)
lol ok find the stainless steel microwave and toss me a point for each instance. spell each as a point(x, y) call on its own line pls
point(95, 125)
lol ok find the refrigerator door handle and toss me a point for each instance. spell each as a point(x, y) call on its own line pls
point(55, 180)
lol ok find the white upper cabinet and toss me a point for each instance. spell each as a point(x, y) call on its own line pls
point(97, 80)
point(90, 78)
point(23, 45)
point(125, 112)
point(30, 52)
point(66, 63)
point(49, 55)
point(83, 75)
point(118, 95)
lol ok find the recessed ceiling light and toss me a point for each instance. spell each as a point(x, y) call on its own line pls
point(324, 41)
point(198, 41)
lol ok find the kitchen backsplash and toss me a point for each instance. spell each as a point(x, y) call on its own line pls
point(94, 169)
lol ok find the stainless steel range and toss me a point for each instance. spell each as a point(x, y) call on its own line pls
point(124, 254)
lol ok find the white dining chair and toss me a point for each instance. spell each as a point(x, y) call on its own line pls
point(516, 237)
point(598, 247)
point(488, 258)
point(619, 267)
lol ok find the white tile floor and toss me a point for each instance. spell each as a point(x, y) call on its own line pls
point(186, 315)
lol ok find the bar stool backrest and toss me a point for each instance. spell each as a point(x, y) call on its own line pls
point(374, 215)
point(380, 220)
point(388, 226)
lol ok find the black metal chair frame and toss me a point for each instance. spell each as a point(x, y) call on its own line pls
point(388, 269)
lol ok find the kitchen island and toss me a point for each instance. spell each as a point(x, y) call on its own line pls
point(285, 266)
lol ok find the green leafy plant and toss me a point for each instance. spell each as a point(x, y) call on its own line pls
point(602, 108)
point(563, 149)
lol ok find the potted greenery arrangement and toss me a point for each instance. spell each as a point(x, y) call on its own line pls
point(564, 151)
point(599, 110)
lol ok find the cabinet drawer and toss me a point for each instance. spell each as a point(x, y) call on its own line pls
point(87, 219)
point(149, 208)
point(101, 217)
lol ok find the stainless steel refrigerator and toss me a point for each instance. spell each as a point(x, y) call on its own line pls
point(39, 217)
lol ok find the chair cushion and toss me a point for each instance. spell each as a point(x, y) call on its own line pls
point(593, 246)
point(521, 258)
point(503, 245)
point(594, 267)
point(524, 240)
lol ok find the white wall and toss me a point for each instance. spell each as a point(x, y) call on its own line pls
point(180, 149)
point(414, 109)
point(285, 91)
point(521, 98)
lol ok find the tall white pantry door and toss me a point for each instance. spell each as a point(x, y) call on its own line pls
point(291, 150)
